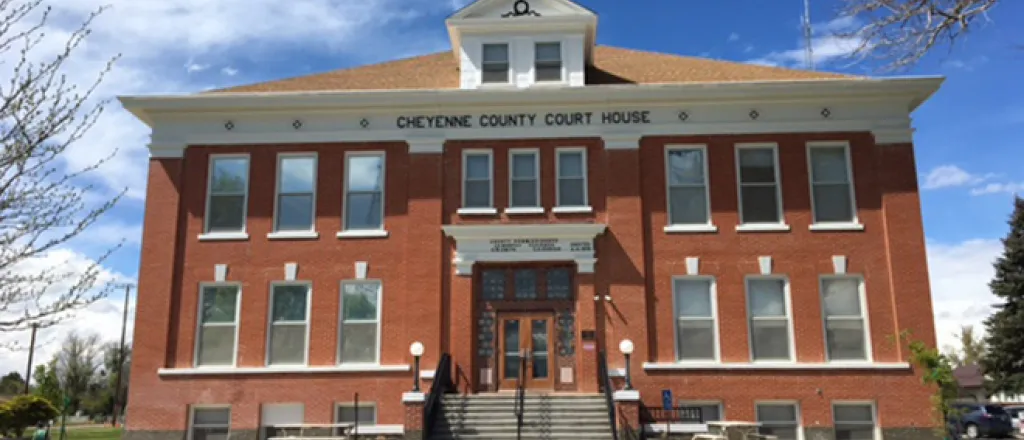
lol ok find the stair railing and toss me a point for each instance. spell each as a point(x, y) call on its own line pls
point(605, 381)
point(520, 403)
point(441, 385)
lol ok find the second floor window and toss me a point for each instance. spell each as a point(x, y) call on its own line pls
point(769, 319)
point(364, 191)
point(495, 64)
point(524, 186)
point(228, 194)
point(218, 325)
point(360, 322)
point(572, 177)
point(760, 201)
point(288, 324)
point(831, 184)
point(695, 319)
point(548, 62)
point(477, 184)
point(296, 185)
point(845, 330)
point(687, 186)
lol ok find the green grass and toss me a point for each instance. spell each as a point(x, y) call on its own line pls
point(82, 433)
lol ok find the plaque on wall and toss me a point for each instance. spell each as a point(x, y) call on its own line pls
point(589, 335)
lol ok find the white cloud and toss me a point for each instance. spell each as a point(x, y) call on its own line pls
point(734, 37)
point(959, 274)
point(826, 45)
point(946, 176)
point(229, 71)
point(999, 188)
point(193, 67)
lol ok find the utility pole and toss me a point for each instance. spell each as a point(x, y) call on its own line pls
point(31, 351)
point(120, 356)
point(808, 36)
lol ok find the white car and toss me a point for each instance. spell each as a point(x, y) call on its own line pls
point(1017, 415)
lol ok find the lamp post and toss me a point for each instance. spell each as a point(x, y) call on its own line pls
point(416, 350)
point(626, 347)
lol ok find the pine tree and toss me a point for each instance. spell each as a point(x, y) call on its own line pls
point(1003, 363)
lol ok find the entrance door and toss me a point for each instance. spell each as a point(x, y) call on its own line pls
point(525, 336)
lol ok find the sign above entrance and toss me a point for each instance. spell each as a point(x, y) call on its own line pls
point(524, 243)
point(512, 120)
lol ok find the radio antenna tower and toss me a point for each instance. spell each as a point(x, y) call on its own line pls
point(808, 41)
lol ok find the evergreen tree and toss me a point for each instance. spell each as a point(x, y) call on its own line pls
point(1003, 362)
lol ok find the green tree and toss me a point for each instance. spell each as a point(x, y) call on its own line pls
point(972, 348)
point(1002, 362)
point(24, 411)
point(78, 367)
point(47, 382)
point(12, 383)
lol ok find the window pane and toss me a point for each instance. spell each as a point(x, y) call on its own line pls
point(297, 174)
point(366, 173)
point(570, 192)
point(230, 175)
point(526, 284)
point(757, 165)
point(767, 298)
point(693, 298)
point(367, 414)
point(828, 164)
point(212, 416)
point(760, 204)
point(219, 304)
point(227, 213)
point(832, 203)
point(549, 73)
point(478, 166)
point(782, 432)
point(363, 211)
point(841, 297)
point(511, 348)
point(210, 433)
point(688, 205)
point(290, 303)
point(695, 339)
point(478, 194)
point(217, 345)
point(549, 51)
point(495, 74)
point(559, 284)
point(853, 413)
point(854, 432)
point(686, 167)
point(845, 339)
point(495, 53)
point(494, 284)
point(288, 344)
point(295, 213)
point(524, 166)
point(524, 193)
point(776, 413)
point(359, 301)
point(771, 339)
point(570, 164)
point(359, 342)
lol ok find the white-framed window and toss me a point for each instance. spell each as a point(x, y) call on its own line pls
point(524, 178)
point(768, 307)
point(364, 191)
point(696, 324)
point(844, 311)
point(217, 338)
point(495, 67)
point(686, 171)
point(295, 206)
point(281, 419)
point(227, 193)
point(831, 173)
point(289, 324)
point(759, 189)
point(209, 422)
point(781, 419)
point(477, 179)
point(571, 165)
point(854, 420)
point(349, 413)
point(710, 411)
point(547, 64)
point(360, 322)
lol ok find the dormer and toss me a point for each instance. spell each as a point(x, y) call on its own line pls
point(523, 43)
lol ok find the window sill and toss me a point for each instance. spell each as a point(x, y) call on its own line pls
point(363, 234)
point(837, 227)
point(380, 430)
point(524, 211)
point(572, 210)
point(763, 227)
point(670, 366)
point(684, 229)
point(477, 211)
point(298, 369)
point(293, 235)
point(224, 236)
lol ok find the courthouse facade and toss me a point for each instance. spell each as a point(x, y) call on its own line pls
point(754, 231)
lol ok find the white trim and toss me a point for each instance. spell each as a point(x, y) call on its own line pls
point(851, 187)
point(688, 227)
point(341, 320)
point(514, 209)
point(677, 428)
point(478, 210)
point(380, 429)
point(818, 227)
point(209, 196)
point(224, 236)
point(427, 374)
point(713, 297)
point(874, 413)
point(852, 366)
point(363, 233)
point(585, 207)
point(192, 417)
point(863, 300)
point(383, 191)
point(199, 322)
point(277, 233)
point(627, 396)
point(763, 227)
point(473, 243)
point(777, 171)
point(306, 322)
point(413, 397)
point(621, 141)
point(231, 371)
point(787, 298)
point(797, 413)
point(425, 145)
point(524, 211)
point(293, 235)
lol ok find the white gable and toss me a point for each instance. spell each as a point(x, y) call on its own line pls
point(520, 9)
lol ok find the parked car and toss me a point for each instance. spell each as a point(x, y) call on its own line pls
point(977, 420)
point(1016, 414)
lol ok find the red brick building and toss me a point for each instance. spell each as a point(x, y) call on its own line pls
point(755, 232)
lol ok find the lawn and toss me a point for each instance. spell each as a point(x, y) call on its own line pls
point(90, 432)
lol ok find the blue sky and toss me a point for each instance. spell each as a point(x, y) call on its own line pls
point(968, 141)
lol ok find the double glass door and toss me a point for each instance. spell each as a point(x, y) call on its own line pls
point(525, 350)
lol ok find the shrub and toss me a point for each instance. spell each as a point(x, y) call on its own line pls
point(23, 412)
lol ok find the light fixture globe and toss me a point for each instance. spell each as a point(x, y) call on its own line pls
point(416, 349)
point(626, 346)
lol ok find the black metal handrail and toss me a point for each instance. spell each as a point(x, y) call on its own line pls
point(441, 385)
point(679, 414)
point(606, 384)
point(520, 404)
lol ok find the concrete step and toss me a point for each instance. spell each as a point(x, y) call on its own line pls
point(525, 436)
point(527, 415)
